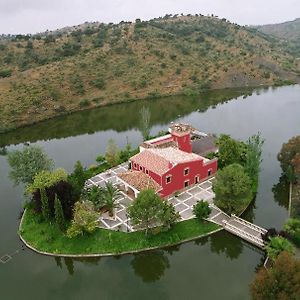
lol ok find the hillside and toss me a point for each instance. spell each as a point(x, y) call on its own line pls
point(89, 66)
point(287, 32)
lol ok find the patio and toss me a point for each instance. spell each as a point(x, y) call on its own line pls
point(183, 203)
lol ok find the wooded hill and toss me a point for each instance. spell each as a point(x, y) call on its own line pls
point(95, 64)
point(287, 32)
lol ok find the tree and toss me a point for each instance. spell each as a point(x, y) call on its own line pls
point(84, 219)
point(145, 116)
point(253, 158)
point(28, 162)
point(232, 188)
point(45, 205)
point(168, 215)
point(279, 282)
point(201, 210)
point(77, 178)
point(278, 244)
point(287, 154)
point(231, 151)
point(46, 179)
point(292, 227)
point(59, 214)
point(112, 154)
point(146, 209)
point(110, 195)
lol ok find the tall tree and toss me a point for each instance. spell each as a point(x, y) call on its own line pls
point(112, 154)
point(59, 214)
point(287, 154)
point(145, 116)
point(109, 196)
point(28, 162)
point(253, 157)
point(232, 188)
point(45, 205)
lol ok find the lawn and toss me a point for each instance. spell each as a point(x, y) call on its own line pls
point(47, 237)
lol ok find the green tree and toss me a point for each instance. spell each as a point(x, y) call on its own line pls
point(112, 154)
point(110, 195)
point(201, 210)
point(77, 178)
point(46, 179)
point(28, 162)
point(279, 282)
point(278, 244)
point(232, 188)
point(253, 158)
point(59, 214)
point(146, 209)
point(45, 205)
point(145, 116)
point(168, 215)
point(231, 151)
point(84, 219)
point(287, 154)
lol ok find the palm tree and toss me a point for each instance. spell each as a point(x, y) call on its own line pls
point(109, 196)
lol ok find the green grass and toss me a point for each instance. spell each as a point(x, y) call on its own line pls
point(48, 238)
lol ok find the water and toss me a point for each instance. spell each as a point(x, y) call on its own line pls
point(220, 266)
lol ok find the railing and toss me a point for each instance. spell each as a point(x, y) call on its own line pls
point(243, 234)
point(248, 224)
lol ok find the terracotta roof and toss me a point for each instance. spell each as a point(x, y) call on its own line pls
point(174, 155)
point(161, 160)
point(139, 180)
point(152, 161)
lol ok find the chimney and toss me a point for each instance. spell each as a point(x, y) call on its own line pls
point(181, 134)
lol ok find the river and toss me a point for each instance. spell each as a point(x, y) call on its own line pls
point(217, 267)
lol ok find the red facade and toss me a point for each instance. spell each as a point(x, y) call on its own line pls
point(173, 167)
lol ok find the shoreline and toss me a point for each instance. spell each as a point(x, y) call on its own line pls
point(124, 101)
point(108, 254)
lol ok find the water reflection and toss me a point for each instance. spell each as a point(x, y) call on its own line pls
point(120, 117)
point(281, 192)
point(150, 266)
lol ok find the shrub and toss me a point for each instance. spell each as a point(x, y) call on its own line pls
point(84, 220)
point(5, 73)
point(59, 214)
point(84, 103)
point(201, 210)
point(278, 244)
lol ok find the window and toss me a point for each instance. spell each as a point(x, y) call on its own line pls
point(197, 179)
point(186, 183)
point(168, 179)
point(141, 168)
point(209, 172)
point(186, 171)
point(147, 172)
point(134, 165)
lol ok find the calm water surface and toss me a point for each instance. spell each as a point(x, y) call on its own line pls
point(217, 267)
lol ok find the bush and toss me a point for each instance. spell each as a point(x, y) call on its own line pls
point(84, 103)
point(5, 73)
point(278, 244)
point(201, 210)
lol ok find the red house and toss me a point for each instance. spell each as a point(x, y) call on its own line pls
point(173, 161)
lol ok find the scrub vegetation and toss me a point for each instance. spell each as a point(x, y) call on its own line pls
point(93, 64)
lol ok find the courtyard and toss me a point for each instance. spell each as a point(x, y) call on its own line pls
point(183, 202)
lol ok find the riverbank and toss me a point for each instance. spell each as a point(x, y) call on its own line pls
point(105, 242)
point(47, 115)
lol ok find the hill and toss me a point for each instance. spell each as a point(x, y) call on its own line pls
point(82, 67)
point(287, 32)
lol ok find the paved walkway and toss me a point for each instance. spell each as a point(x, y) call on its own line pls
point(183, 203)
